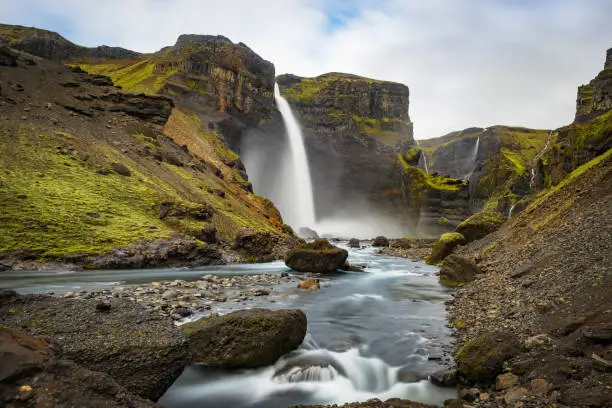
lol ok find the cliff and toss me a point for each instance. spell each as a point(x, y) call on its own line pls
point(50, 45)
point(496, 162)
point(99, 177)
point(354, 128)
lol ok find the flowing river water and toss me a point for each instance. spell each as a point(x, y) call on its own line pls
point(371, 334)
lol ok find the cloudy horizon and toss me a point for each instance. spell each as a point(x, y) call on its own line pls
point(469, 63)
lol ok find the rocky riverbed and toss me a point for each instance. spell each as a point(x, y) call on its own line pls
point(184, 300)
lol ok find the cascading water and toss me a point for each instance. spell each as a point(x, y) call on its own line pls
point(475, 153)
point(298, 187)
point(535, 160)
point(424, 157)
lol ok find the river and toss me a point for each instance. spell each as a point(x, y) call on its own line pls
point(377, 333)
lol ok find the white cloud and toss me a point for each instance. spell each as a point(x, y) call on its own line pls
point(467, 63)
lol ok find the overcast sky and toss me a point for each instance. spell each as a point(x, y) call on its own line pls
point(467, 62)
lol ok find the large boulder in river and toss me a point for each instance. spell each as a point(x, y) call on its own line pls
point(246, 338)
point(32, 376)
point(457, 270)
point(319, 257)
point(380, 241)
point(354, 243)
point(139, 349)
point(445, 246)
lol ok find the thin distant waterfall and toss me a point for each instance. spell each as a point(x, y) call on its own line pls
point(298, 209)
point(475, 154)
point(534, 162)
point(423, 156)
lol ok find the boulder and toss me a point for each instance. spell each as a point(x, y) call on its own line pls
point(257, 246)
point(31, 375)
point(445, 246)
point(403, 243)
point(374, 403)
point(139, 349)
point(380, 241)
point(444, 378)
point(480, 224)
point(319, 257)
point(246, 338)
point(481, 360)
point(457, 270)
point(354, 243)
point(308, 233)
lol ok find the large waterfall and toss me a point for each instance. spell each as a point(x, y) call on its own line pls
point(298, 206)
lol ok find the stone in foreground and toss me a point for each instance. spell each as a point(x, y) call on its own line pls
point(246, 338)
point(457, 270)
point(318, 257)
point(374, 403)
point(32, 376)
point(445, 246)
point(380, 241)
point(139, 349)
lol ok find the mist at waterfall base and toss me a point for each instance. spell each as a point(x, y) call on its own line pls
point(280, 168)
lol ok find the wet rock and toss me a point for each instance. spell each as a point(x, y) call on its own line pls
point(457, 269)
point(445, 246)
point(469, 394)
point(247, 338)
point(139, 349)
point(352, 267)
point(354, 243)
point(380, 241)
point(183, 311)
point(310, 284)
point(31, 375)
point(480, 360)
point(444, 378)
point(319, 257)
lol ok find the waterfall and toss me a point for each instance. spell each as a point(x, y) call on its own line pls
point(298, 187)
point(424, 156)
point(475, 154)
point(511, 209)
point(534, 161)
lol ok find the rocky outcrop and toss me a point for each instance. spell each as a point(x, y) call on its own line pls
point(102, 184)
point(139, 349)
point(374, 403)
point(480, 225)
point(380, 241)
point(50, 45)
point(457, 270)
point(445, 246)
point(596, 97)
point(247, 338)
point(354, 127)
point(31, 375)
point(319, 257)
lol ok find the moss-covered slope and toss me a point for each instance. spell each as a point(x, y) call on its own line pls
point(88, 169)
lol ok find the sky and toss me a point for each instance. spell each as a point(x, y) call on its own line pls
point(467, 62)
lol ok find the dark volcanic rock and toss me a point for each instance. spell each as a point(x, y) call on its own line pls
point(457, 269)
point(354, 243)
point(32, 376)
point(154, 109)
point(319, 257)
point(373, 403)
point(141, 350)
point(380, 241)
point(247, 338)
point(482, 359)
point(258, 246)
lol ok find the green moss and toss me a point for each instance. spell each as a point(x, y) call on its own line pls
point(137, 77)
point(480, 224)
point(445, 245)
point(420, 179)
point(515, 159)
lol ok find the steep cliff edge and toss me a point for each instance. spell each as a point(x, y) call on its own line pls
point(91, 177)
point(354, 127)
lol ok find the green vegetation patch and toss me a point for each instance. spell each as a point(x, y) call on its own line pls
point(420, 179)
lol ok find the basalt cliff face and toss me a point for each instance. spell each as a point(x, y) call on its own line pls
point(354, 128)
point(102, 176)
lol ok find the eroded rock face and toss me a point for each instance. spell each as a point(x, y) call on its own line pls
point(596, 96)
point(247, 338)
point(31, 375)
point(354, 127)
point(141, 350)
point(319, 257)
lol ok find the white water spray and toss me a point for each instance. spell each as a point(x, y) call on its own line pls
point(535, 160)
point(424, 156)
point(475, 154)
point(299, 189)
